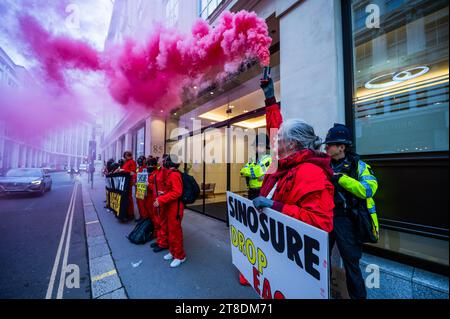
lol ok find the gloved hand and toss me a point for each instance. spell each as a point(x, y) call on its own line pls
point(261, 202)
point(268, 88)
point(335, 178)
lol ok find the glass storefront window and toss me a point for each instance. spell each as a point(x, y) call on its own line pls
point(207, 7)
point(140, 142)
point(401, 77)
point(172, 12)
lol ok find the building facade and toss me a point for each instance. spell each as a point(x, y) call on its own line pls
point(380, 66)
point(57, 149)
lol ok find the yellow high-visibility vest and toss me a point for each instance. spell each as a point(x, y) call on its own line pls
point(255, 171)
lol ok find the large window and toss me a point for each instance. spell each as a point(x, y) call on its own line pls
point(207, 7)
point(140, 142)
point(401, 77)
point(172, 12)
point(400, 111)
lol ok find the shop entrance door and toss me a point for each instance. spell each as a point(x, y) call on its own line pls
point(225, 149)
point(216, 172)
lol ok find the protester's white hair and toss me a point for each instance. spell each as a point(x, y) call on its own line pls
point(301, 133)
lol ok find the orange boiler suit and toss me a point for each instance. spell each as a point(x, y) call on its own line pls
point(130, 167)
point(172, 208)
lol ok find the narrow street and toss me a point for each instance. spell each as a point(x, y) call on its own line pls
point(31, 229)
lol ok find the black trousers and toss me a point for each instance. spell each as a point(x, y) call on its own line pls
point(344, 235)
point(253, 193)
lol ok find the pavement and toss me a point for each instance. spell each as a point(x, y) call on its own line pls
point(125, 270)
point(31, 234)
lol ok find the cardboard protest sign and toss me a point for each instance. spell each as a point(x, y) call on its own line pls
point(141, 184)
point(117, 188)
point(280, 256)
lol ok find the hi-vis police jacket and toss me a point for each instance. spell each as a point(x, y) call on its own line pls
point(364, 186)
point(255, 171)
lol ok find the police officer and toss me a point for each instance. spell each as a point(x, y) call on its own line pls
point(355, 186)
point(254, 172)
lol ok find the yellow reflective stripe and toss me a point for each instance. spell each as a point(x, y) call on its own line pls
point(254, 183)
point(375, 221)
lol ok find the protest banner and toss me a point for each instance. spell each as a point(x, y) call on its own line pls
point(142, 184)
point(117, 188)
point(281, 257)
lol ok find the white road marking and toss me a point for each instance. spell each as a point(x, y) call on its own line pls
point(58, 253)
point(62, 279)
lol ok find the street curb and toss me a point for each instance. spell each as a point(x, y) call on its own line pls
point(104, 278)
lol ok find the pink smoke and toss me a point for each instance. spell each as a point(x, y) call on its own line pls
point(31, 112)
point(56, 54)
point(155, 74)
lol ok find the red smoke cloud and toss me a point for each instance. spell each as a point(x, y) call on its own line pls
point(155, 73)
point(56, 54)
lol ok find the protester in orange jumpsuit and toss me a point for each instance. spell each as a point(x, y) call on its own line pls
point(129, 167)
point(172, 207)
point(141, 203)
point(158, 186)
point(152, 169)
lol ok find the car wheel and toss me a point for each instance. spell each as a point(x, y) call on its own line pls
point(42, 192)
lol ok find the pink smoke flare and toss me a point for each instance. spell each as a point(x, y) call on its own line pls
point(155, 74)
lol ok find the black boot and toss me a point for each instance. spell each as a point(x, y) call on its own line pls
point(158, 249)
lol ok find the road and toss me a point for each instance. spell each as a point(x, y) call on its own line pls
point(38, 235)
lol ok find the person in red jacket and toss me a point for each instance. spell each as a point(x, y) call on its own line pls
point(141, 203)
point(172, 206)
point(301, 186)
point(129, 167)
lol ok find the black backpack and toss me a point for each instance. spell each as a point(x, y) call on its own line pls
point(142, 233)
point(191, 190)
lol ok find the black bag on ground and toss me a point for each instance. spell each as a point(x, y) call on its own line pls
point(191, 190)
point(142, 233)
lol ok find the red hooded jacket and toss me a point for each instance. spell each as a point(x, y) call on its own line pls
point(304, 190)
